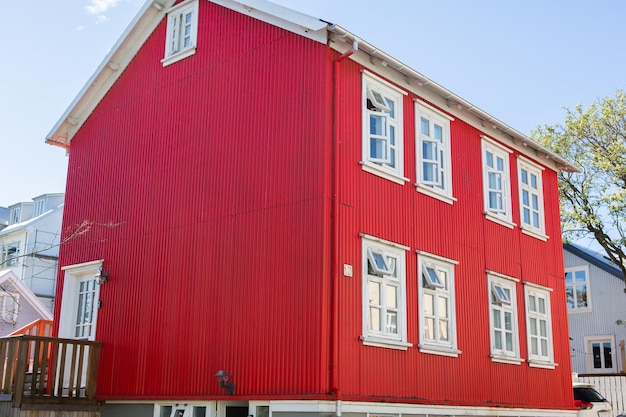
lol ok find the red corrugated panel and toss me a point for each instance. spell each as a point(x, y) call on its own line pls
point(216, 174)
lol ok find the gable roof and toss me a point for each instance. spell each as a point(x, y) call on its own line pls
point(153, 11)
point(8, 277)
point(594, 258)
point(26, 223)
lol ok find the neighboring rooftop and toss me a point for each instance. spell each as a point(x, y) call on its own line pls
point(595, 258)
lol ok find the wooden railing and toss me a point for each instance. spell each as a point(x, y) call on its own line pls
point(48, 370)
point(39, 327)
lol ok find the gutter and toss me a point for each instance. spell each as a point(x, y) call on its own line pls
point(452, 100)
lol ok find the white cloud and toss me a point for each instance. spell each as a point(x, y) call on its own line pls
point(98, 7)
point(101, 19)
point(80, 28)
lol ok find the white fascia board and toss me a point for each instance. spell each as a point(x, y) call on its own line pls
point(381, 63)
point(282, 17)
point(9, 276)
point(109, 70)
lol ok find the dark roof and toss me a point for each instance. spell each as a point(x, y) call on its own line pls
point(594, 258)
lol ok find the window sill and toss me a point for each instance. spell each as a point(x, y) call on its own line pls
point(534, 233)
point(534, 363)
point(506, 359)
point(499, 219)
point(178, 56)
point(439, 350)
point(430, 191)
point(579, 310)
point(377, 170)
point(385, 343)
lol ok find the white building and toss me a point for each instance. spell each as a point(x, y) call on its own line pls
point(30, 244)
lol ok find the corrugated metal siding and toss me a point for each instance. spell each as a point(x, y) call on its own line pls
point(216, 172)
point(210, 209)
point(398, 213)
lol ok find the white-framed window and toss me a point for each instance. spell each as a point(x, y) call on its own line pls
point(40, 206)
point(531, 198)
point(434, 166)
point(600, 354)
point(503, 318)
point(496, 182)
point(383, 135)
point(182, 410)
point(577, 289)
point(15, 215)
point(182, 31)
point(79, 302)
point(437, 313)
point(10, 303)
point(10, 255)
point(384, 293)
point(539, 326)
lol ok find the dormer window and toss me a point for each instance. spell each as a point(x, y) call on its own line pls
point(40, 208)
point(16, 215)
point(182, 30)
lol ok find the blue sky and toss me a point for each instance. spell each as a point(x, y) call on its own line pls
point(522, 62)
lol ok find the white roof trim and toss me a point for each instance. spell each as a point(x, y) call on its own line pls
point(283, 17)
point(9, 276)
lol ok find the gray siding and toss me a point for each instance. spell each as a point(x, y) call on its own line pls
point(608, 304)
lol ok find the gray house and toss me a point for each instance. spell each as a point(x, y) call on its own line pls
point(596, 300)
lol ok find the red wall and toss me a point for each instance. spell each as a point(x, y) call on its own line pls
point(215, 177)
point(215, 172)
point(398, 213)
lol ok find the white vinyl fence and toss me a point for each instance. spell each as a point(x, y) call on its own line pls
point(612, 387)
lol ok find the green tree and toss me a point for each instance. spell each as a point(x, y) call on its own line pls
point(593, 201)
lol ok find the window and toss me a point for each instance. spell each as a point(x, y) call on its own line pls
point(437, 312)
point(180, 410)
point(182, 29)
point(79, 308)
point(382, 129)
point(538, 326)
point(496, 182)
point(600, 351)
point(15, 215)
point(40, 206)
point(384, 299)
point(10, 255)
point(577, 293)
point(434, 174)
point(503, 318)
point(531, 198)
point(9, 307)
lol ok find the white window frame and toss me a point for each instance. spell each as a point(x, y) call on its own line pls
point(188, 409)
point(536, 229)
point(589, 341)
point(15, 215)
point(503, 215)
point(176, 16)
point(10, 306)
point(74, 274)
point(499, 307)
point(443, 290)
point(442, 188)
point(10, 255)
point(573, 284)
point(385, 279)
point(381, 165)
point(533, 294)
point(39, 208)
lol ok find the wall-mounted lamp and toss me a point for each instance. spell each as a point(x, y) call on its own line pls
point(222, 378)
point(102, 275)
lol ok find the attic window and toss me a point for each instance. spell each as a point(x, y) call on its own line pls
point(182, 30)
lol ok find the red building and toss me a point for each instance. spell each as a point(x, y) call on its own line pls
point(272, 197)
